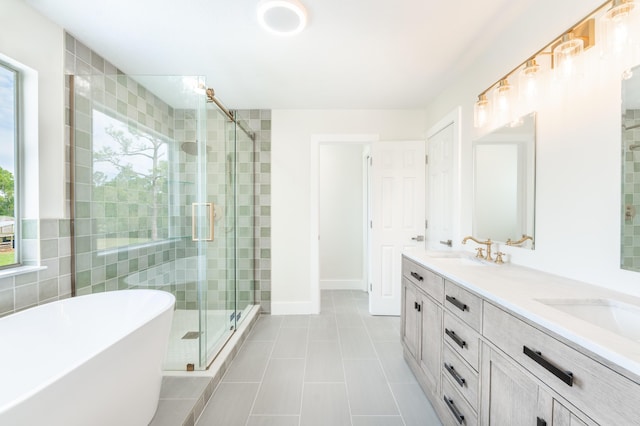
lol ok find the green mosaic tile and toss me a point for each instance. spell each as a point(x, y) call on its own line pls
point(111, 271)
point(83, 279)
point(82, 210)
point(83, 244)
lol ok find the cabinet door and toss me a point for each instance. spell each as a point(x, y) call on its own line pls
point(410, 316)
point(562, 416)
point(509, 396)
point(430, 340)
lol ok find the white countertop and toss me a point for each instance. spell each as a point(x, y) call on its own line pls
point(516, 288)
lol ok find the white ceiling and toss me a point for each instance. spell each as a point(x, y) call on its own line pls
point(362, 54)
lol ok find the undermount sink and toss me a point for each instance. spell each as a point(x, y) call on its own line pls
point(459, 257)
point(618, 317)
point(444, 254)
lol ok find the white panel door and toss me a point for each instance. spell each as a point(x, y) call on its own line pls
point(398, 179)
point(440, 189)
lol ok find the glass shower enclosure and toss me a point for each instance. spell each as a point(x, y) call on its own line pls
point(162, 188)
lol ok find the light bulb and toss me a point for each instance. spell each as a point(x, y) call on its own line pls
point(566, 55)
point(481, 111)
point(502, 102)
point(529, 84)
point(618, 22)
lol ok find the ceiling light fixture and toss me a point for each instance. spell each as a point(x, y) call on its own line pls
point(282, 17)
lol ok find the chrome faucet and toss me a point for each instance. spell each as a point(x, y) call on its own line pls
point(487, 243)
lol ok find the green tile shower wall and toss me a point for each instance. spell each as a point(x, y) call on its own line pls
point(260, 122)
point(631, 192)
point(146, 266)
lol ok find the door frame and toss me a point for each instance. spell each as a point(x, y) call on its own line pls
point(453, 118)
point(314, 201)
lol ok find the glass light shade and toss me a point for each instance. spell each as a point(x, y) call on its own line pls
point(481, 112)
point(620, 26)
point(502, 102)
point(529, 85)
point(566, 56)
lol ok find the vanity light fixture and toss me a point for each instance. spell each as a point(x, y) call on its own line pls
point(563, 55)
point(282, 17)
point(481, 111)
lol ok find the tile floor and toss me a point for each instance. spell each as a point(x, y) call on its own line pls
point(342, 367)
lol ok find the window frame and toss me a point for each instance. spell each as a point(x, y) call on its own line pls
point(17, 143)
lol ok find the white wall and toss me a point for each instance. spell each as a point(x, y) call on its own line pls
point(578, 209)
point(37, 43)
point(292, 132)
point(341, 216)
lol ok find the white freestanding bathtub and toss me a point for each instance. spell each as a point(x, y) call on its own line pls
point(89, 360)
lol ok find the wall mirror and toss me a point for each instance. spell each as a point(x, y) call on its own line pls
point(504, 183)
point(630, 224)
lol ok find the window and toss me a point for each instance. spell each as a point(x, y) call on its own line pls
point(9, 88)
point(130, 170)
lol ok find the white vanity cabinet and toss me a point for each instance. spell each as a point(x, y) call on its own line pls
point(480, 363)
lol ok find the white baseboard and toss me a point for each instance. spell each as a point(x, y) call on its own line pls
point(342, 285)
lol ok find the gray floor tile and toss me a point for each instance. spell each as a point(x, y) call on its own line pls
point(172, 412)
point(230, 405)
point(273, 421)
point(323, 327)
point(295, 321)
point(383, 328)
point(414, 405)
point(378, 421)
point(367, 388)
point(327, 371)
point(250, 363)
point(325, 404)
point(324, 362)
point(281, 388)
point(266, 328)
point(395, 367)
point(349, 319)
point(291, 343)
point(356, 344)
point(176, 387)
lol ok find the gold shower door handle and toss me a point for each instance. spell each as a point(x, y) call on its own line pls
point(194, 207)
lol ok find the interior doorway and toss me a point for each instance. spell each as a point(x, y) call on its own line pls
point(342, 216)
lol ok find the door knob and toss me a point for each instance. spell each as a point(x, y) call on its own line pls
point(418, 238)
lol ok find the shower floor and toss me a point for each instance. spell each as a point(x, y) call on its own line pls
point(182, 351)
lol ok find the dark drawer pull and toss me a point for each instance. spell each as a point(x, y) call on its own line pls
point(565, 376)
point(541, 422)
point(455, 374)
point(458, 304)
point(454, 410)
point(455, 338)
point(417, 276)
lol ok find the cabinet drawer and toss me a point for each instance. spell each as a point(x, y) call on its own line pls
point(461, 412)
point(429, 282)
point(463, 304)
point(601, 393)
point(462, 339)
point(461, 376)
